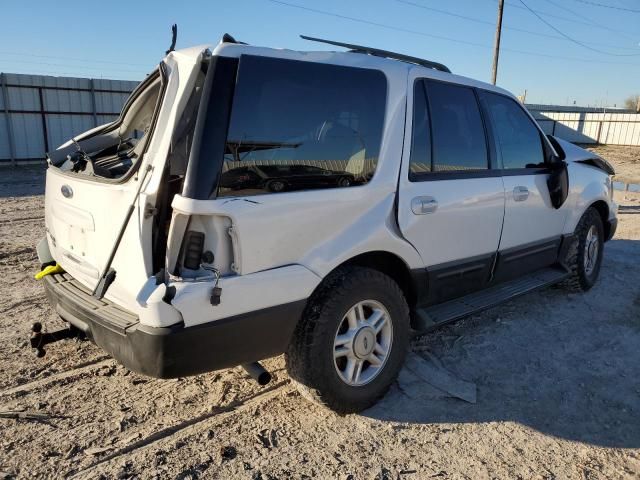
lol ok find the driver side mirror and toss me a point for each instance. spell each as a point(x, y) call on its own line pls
point(558, 183)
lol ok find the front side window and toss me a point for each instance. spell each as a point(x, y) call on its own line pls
point(519, 139)
point(457, 131)
point(301, 125)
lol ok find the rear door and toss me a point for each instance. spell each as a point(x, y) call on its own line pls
point(84, 212)
point(532, 226)
point(451, 200)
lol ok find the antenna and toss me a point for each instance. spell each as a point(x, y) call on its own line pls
point(174, 36)
point(382, 53)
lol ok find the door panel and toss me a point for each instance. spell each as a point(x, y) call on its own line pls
point(457, 278)
point(452, 216)
point(532, 226)
point(466, 222)
point(531, 218)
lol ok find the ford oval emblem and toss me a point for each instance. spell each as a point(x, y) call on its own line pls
point(66, 191)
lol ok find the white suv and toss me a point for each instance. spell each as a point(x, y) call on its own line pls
point(251, 201)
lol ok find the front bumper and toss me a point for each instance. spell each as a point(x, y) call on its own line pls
point(175, 351)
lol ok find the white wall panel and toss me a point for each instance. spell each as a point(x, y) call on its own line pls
point(27, 132)
point(61, 128)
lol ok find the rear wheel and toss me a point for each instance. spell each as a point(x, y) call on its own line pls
point(351, 341)
point(344, 182)
point(276, 186)
point(584, 256)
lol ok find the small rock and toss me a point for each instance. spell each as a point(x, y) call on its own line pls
point(97, 450)
point(228, 452)
point(72, 452)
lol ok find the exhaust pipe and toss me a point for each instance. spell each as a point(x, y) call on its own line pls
point(257, 372)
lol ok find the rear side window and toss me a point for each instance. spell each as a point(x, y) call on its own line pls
point(519, 139)
point(302, 125)
point(420, 160)
point(457, 131)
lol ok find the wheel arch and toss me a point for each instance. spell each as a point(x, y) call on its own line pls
point(603, 210)
point(392, 265)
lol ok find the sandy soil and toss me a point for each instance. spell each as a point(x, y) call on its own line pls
point(557, 375)
point(626, 161)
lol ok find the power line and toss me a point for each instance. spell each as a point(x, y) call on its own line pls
point(613, 7)
point(562, 7)
point(85, 60)
point(492, 24)
point(76, 67)
point(573, 20)
point(441, 37)
point(577, 42)
point(376, 24)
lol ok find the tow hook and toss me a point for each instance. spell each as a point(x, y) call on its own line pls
point(257, 372)
point(39, 340)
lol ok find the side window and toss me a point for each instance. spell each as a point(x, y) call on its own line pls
point(457, 131)
point(420, 160)
point(302, 125)
point(519, 139)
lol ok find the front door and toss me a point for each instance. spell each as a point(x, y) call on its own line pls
point(532, 226)
point(451, 201)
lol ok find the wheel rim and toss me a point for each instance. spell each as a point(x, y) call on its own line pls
point(362, 343)
point(591, 252)
point(277, 186)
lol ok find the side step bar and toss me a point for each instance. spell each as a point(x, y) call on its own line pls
point(434, 316)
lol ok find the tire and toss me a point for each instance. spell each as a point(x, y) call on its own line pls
point(344, 182)
point(276, 186)
point(328, 319)
point(583, 274)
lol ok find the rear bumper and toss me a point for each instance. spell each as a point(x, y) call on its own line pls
point(174, 351)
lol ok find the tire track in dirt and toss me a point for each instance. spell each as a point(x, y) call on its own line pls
point(33, 300)
point(23, 219)
point(20, 251)
point(184, 428)
point(77, 371)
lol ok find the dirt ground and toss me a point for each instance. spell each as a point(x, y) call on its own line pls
point(557, 375)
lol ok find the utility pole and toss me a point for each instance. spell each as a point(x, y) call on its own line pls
point(496, 46)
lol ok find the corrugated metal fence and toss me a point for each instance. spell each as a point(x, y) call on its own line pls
point(38, 113)
point(591, 128)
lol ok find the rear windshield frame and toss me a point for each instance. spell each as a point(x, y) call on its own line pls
point(60, 154)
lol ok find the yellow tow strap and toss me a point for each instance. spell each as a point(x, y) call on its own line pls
point(51, 269)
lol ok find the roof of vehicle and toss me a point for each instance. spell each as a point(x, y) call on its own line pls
point(355, 58)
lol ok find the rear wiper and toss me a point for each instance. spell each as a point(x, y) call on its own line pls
point(79, 158)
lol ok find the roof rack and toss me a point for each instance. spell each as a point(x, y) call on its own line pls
point(382, 53)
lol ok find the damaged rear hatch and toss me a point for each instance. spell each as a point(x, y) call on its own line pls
point(93, 179)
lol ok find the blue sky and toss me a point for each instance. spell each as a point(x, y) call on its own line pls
point(124, 39)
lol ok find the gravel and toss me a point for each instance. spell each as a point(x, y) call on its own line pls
point(557, 377)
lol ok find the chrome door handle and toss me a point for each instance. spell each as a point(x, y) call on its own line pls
point(520, 194)
point(423, 205)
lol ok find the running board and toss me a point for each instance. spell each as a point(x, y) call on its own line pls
point(436, 315)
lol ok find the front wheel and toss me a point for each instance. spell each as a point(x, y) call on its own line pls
point(351, 341)
point(584, 256)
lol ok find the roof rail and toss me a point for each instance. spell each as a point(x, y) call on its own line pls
point(382, 53)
